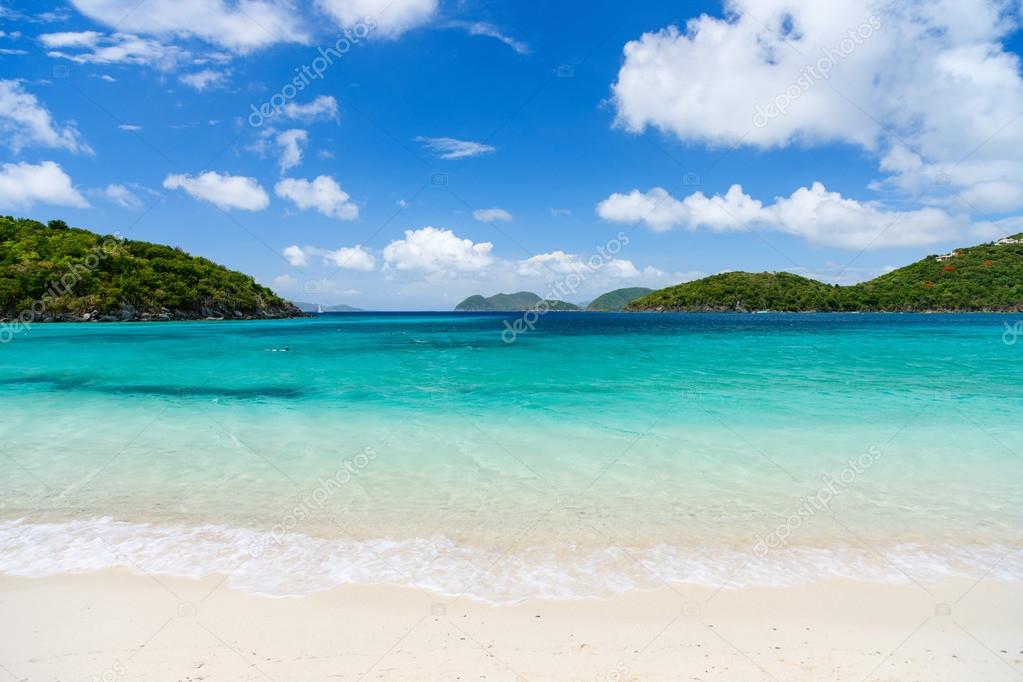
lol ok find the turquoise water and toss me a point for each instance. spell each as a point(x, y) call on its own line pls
point(595, 454)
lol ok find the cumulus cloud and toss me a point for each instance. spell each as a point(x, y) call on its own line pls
point(290, 143)
point(240, 26)
point(347, 257)
point(389, 18)
point(814, 213)
point(430, 249)
point(296, 256)
point(323, 194)
point(23, 185)
point(450, 148)
point(92, 47)
point(928, 88)
point(203, 80)
point(560, 263)
point(285, 281)
point(489, 215)
point(25, 122)
point(322, 108)
point(353, 258)
point(223, 191)
point(120, 195)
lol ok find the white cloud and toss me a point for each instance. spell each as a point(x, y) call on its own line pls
point(71, 39)
point(108, 79)
point(390, 18)
point(354, 258)
point(559, 263)
point(120, 195)
point(296, 256)
point(928, 88)
point(660, 211)
point(285, 281)
point(130, 127)
point(349, 258)
point(25, 122)
point(322, 108)
point(24, 184)
point(436, 250)
point(203, 80)
point(12, 51)
point(291, 143)
point(561, 212)
point(240, 26)
point(322, 194)
point(813, 213)
point(118, 48)
point(489, 215)
point(995, 196)
point(450, 148)
point(482, 28)
point(223, 191)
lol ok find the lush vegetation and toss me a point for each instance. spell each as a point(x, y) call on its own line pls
point(519, 301)
point(617, 300)
point(978, 278)
point(59, 272)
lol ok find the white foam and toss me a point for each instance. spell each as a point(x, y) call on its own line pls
point(299, 564)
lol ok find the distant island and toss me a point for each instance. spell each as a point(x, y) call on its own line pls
point(317, 308)
point(617, 300)
point(612, 301)
point(56, 273)
point(987, 277)
point(519, 301)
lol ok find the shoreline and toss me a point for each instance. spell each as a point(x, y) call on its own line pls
point(118, 625)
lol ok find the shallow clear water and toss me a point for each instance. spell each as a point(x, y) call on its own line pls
point(597, 453)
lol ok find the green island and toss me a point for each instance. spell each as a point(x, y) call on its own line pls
point(53, 272)
point(517, 302)
point(617, 300)
point(986, 277)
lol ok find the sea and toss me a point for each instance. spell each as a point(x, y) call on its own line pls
point(579, 455)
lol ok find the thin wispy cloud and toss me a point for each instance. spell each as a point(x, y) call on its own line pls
point(451, 148)
point(483, 28)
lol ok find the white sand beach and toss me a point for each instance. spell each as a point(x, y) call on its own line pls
point(119, 626)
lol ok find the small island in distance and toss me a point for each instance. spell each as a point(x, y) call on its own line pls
point(612, 301)
point(307, 307)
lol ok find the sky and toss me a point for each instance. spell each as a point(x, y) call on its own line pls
point(404, 154)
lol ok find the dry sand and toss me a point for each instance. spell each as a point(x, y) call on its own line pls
point(119, 626)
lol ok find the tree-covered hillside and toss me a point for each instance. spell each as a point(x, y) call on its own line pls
point(519, 301)
point(619, 299)
point(55, 272)
point(985, 277)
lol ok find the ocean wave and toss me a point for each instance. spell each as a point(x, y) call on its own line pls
point(298, 564)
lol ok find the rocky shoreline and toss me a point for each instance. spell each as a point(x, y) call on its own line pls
point(128, 313)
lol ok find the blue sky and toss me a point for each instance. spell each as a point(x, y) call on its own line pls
point(461, 147)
